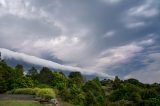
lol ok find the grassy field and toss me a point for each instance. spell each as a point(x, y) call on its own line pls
point(19, 103)
point(26, 103)
point(23, 100)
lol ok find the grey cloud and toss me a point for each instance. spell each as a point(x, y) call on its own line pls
point(42, 62)
point(150, 73)
point(76, 32)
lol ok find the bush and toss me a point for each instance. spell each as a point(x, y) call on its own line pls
point(23, 82)
point(43, 86)
point(45, 93)
point(28, 91)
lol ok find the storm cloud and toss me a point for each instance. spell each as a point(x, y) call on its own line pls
point(98, 35)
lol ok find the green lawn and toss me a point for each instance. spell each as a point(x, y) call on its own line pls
point(19, 103)
point(26, 103)
point(24, 100)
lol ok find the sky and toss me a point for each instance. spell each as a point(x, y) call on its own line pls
point(103, 37)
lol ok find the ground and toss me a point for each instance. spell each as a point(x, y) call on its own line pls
point(19, 103)
point(22, 100)
point(18, 100)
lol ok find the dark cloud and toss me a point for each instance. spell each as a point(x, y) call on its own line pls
point(84, 33)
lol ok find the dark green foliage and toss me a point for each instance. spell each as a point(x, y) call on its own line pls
point(116, 82)
point(3, 85)
point(33, 73)
point(76, 78)
point(93, 87)
point(126, 92)
point(45, 76)
point(19, 70)
point(94, 93)
point(134, 82)
point(150, 102)
point(23, 82)
point(106, 82)
point(7, 77)
point(122, 103)
point(76, 90)
point(91, 99)
point(76, 95)
point(149, 93)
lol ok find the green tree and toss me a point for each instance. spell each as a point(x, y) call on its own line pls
point(23, 82)
point(33, 73)
point(127, 92)
point(116, 82)
point(91, 99)
point(59, 80)
point(19, 70)
point(7, 77)
point(45, 76)
point(95, 90)
point(77, 97)
point(150, 102)
point(149, 93)
point(76, 78)
point(134, 82)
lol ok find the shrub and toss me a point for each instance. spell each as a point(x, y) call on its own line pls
point(43, 86)
point(46, 93)
point(29, 91)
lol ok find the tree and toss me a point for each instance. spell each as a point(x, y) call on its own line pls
point(106, 82)
point(150, 102)
point(7, 77)
point(59, 80)
point(3, 85)
point(94, 90)
point(46, 76)
point(116, 82)
point(77, 97)
point(91, 99)
point(149, 93)
point(96, 80)
point(19, 70)
point(127, 92)
point(33, 73)
point(76, 78)
point(134, 82)
point(23, 82)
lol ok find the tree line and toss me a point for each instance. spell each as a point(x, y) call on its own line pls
point(75, 89)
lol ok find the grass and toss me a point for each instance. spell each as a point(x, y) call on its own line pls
point(19, 103)
point(26, 103)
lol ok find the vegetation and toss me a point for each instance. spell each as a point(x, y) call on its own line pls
point(75, 89)
point(44, 93)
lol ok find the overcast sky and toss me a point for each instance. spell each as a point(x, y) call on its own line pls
point(110, 37)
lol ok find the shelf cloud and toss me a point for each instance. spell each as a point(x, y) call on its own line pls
point(7, 54)
point(105, 37)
